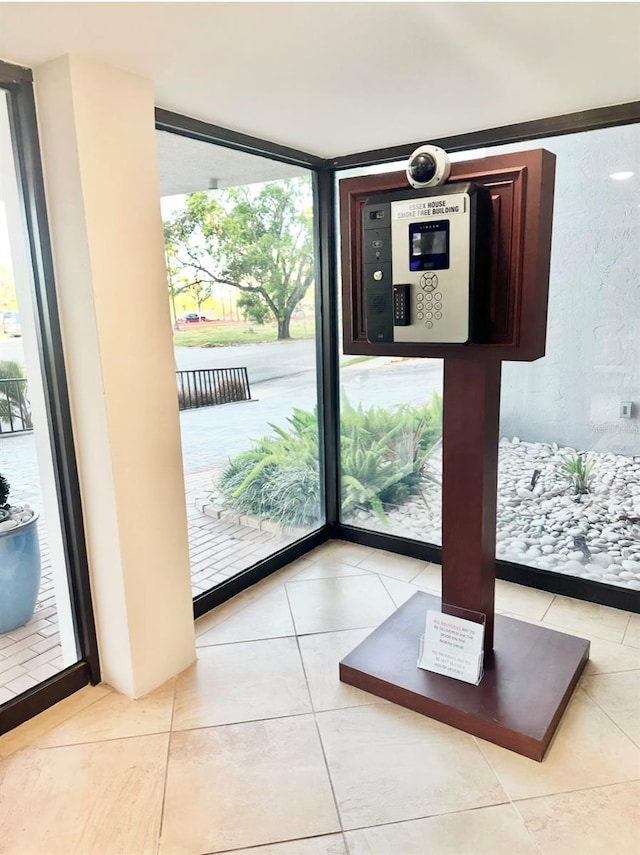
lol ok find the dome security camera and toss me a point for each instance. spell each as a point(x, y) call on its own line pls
point(428, 166)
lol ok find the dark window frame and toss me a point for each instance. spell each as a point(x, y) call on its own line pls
point(326, 339)
point(326, 171)
point(17, 82)
point(584, 121)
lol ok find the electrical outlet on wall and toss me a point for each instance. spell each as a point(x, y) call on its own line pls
point(626, 409)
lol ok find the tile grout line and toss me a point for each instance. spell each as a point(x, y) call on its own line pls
point(438, 815)
point(546, 611)
point(295, 627)
point(577, 790)
point(202, 727)
point(243, 641)
point(166, 765)
point(107, 739)
point(329, 778)
point(257, 846)
point(315, 721)
point(54, 726)
point(476, 740)
point(605, 713)
point(527, 829)
point(514, 801)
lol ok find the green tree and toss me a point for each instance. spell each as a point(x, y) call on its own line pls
point(256, 239)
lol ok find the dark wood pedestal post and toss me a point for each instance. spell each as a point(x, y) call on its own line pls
point(469, 485)
point(529, 672)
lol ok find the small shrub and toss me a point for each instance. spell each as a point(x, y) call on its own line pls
point(577, 471)
point(382, 454)
point(15, 407)
point(4, 491)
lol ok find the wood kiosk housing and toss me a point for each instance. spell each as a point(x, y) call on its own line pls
point(530, 672)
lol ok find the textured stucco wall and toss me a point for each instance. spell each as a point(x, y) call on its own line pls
point(572, 396)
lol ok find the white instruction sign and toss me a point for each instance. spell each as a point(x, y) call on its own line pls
point(452, 646)
point(445, 206)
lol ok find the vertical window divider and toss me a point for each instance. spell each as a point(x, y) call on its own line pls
point(327, 344)
point(24, 133)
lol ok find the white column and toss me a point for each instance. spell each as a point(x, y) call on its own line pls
point(99, 152)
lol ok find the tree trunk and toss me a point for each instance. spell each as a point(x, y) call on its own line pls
point(283, 327)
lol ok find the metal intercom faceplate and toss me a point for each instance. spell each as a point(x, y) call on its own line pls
point(419, 254)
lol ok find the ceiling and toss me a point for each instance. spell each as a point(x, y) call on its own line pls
point(337, 78)
point(186, 165)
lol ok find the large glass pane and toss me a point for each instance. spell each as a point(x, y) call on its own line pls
point(241, 262)
point(391, 444)
point(569, 463)
point(37, 636)
point(391, 438)
point(569, 484)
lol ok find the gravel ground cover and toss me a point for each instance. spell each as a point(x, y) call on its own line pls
point(542, 521)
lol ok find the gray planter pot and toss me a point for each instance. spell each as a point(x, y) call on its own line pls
point(19, 574)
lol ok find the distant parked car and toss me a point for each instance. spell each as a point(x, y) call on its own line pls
point(11, 323)
point(192, 318)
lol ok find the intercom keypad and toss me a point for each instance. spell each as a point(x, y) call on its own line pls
point(401, 305)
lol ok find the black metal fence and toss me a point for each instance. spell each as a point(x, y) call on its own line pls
point(208, 386)
point(15, 409)
point(201, 388)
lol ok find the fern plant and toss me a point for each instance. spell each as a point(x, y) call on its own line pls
point(382, 454)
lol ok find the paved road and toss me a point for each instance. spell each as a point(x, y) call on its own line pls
point(263, 361)
point(11, 348)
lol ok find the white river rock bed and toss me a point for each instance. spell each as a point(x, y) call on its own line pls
point(595, 535)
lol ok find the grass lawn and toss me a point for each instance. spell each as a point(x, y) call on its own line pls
point(228, 333)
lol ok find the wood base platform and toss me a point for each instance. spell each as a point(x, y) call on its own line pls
point(527, 683)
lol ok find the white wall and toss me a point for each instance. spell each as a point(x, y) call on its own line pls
point(572, 396)
point(99, 154)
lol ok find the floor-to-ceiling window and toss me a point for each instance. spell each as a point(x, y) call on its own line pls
point(241, 262)
point(44, 628)
point(569, 498)
point(569, 464)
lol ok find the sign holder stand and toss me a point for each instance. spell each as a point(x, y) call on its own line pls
point(453, 643)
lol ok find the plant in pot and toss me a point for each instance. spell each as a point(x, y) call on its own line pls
point(19, 561)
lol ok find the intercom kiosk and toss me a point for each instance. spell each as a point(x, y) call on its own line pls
point(476, 250)
point(509, 316)
point(424, 253)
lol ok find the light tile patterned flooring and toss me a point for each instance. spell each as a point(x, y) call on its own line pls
point(258, 749)
point(218, 550)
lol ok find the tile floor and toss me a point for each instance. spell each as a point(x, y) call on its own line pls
point(258, 749)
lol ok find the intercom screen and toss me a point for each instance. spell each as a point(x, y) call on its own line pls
point(429, 245)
